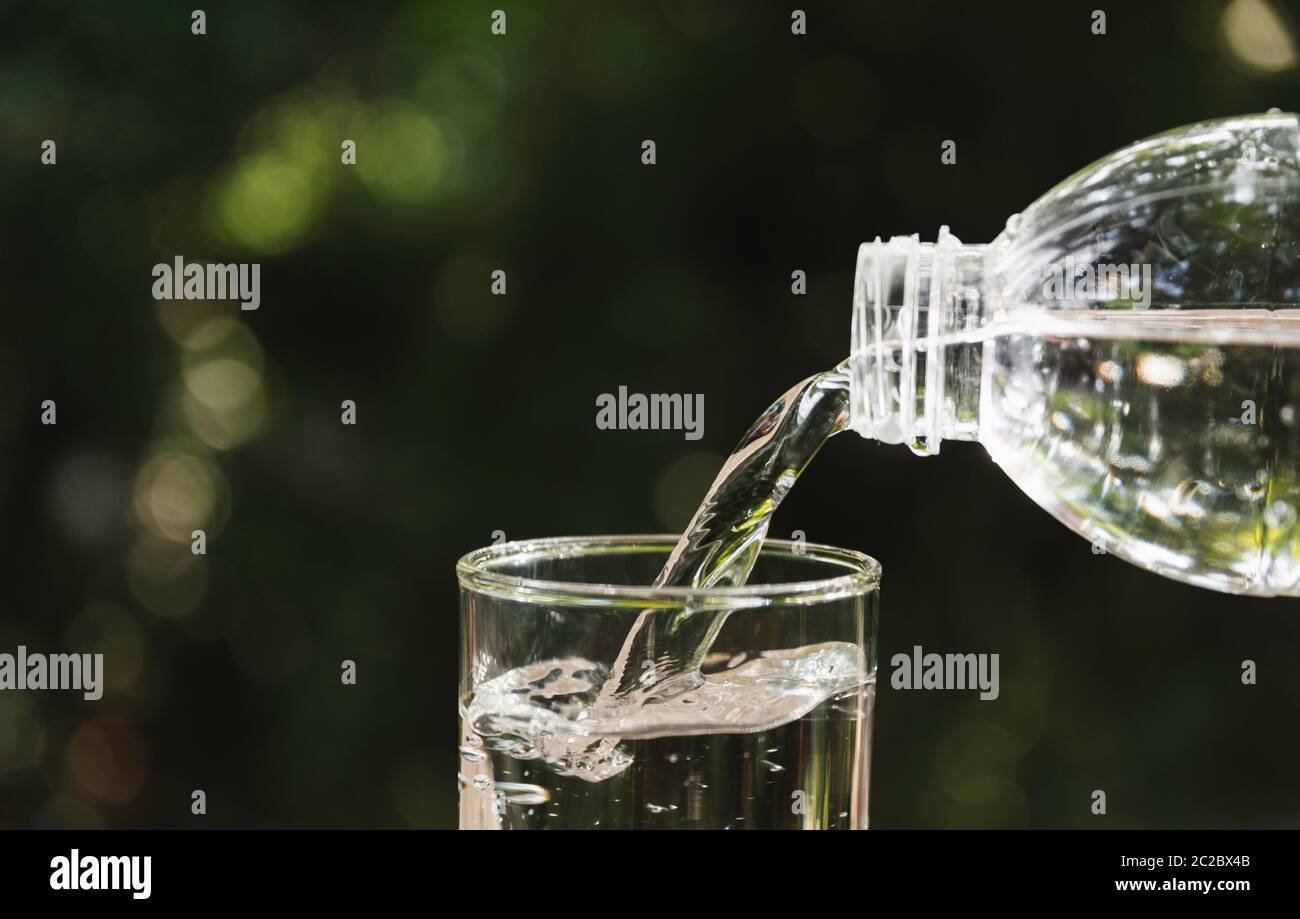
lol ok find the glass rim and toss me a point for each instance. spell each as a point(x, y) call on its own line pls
point(474, 572)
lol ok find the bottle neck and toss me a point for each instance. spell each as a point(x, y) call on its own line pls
point(915, 361)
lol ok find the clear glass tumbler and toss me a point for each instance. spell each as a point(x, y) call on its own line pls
point(759, 719)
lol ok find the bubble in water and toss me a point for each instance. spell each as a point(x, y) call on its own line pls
point(482, 782)
point(1281, 515)
point(660, 808)
point(771, 766)
point(522, 793)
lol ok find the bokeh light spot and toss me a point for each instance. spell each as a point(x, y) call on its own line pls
point(1258, 35)
point(108, 760)
point(402, 155)
point(177, 493)
point(266, 203)
point(166, 578)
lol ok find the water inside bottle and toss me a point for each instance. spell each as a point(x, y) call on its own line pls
point(1167, 437)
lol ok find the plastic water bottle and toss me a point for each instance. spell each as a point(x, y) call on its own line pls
point(1127, 350)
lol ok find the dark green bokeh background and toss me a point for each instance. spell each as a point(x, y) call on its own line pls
point(476, 413)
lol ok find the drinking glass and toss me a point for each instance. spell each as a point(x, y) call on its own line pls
point(752, 708)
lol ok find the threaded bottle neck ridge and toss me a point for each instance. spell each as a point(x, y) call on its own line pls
point(915, 357)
